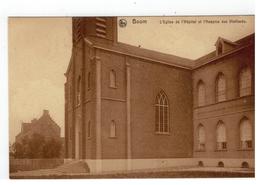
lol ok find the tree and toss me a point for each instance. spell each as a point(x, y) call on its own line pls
point(20, 149)
point(52, 148)
point(11, 150)
point(37, 146)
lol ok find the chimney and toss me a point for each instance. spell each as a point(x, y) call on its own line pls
point(45, 112)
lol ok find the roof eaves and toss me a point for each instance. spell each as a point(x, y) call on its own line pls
point(221, 56)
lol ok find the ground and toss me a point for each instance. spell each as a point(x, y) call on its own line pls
point(191, 172)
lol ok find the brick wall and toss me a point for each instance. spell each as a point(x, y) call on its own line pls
point(230, 111)
point(147, 79)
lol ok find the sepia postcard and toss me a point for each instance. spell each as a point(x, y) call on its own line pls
point(131, 97)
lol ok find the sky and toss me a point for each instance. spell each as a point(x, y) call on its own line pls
point(40, 50)
point(186, 40)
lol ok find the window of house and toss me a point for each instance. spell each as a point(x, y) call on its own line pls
point(112, 79)
point(201, 138)
point(89, 129)
point(220, 88)
point(78, 90)
point(89, 79)
point(201, 94)
point(245, 82)
point(221, 136)
point(246, 134)
point(161, 113)
point(112, 129)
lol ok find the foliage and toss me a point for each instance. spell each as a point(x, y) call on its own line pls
point(52, 149)
point(37, 146)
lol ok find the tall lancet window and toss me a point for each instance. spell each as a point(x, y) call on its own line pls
point(245, 82)
point(112, 79)
point(201, 93)
point(221, 136)
point(113, 129)
point(246, 134)
point(78, 90)
point(220, 88)
point(161, 113)
point(201, 138)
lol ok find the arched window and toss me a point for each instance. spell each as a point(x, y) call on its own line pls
point(112, 79)
point(89, 79)
point(113, 129)
point(201, 138)
point(246, 134)
point(201, 94)
point(161, 113)
point(221, 136)
point(78, 90)
point(220, 88)
point(89, 129)
point(245, 82)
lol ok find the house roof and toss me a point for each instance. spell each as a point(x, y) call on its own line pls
point(225, 41)
point(163, 58)
point(146, 54)
point(44, 125)
point(238, 45)
point(136, 52)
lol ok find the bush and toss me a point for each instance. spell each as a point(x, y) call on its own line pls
point(37, 146)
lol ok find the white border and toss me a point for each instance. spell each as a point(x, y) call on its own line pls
point(126, 7)
point(3, 99)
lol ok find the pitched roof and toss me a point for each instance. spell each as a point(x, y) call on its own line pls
point(163, 58)
point(226, 41)
point(238, 45)
point(44, 126)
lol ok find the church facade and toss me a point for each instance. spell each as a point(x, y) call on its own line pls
point(125, 102)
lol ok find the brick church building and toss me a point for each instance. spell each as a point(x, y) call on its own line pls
point(155, 109)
